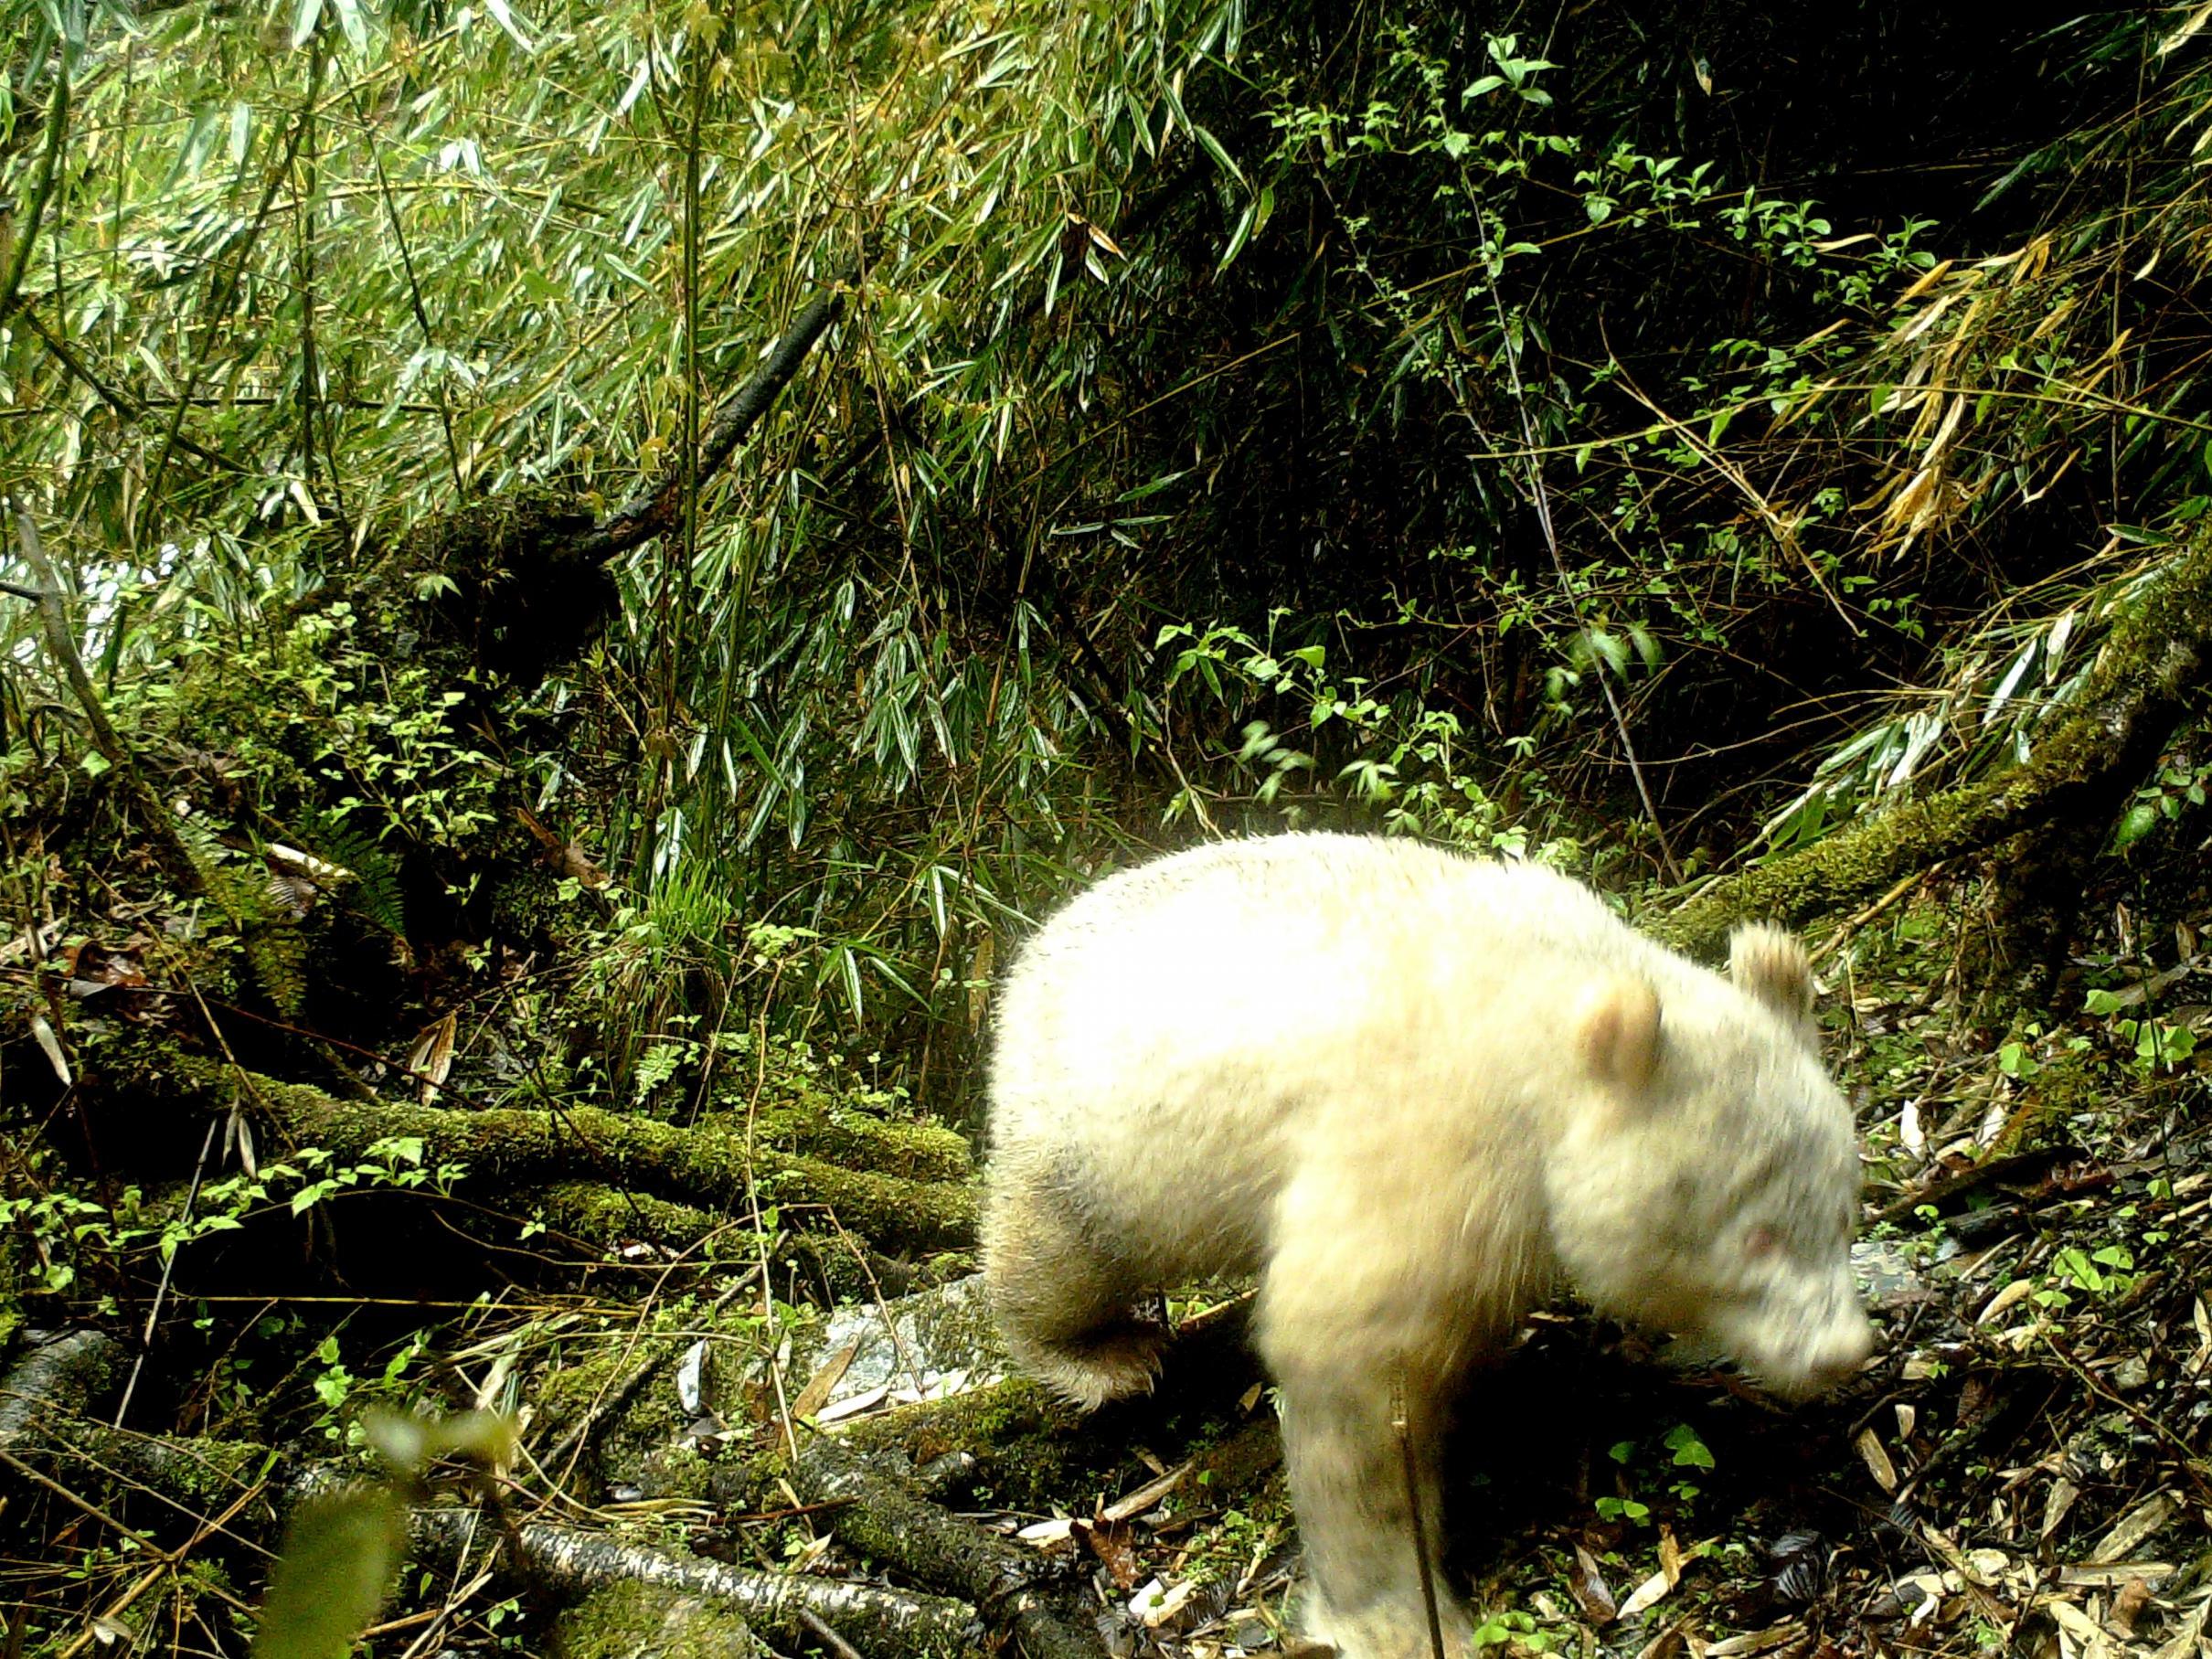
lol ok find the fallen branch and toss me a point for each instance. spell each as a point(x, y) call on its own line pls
point(884, 1624)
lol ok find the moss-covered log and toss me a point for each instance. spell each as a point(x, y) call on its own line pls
point(813, 1123)
point(1030, 1448)
point(198, 1474)
point(885, 1624)
point(707, 1168)
point(2094, 753)
point(592, 1213)
point(55, 1380)
point(632, 1621)
point(890, 1520)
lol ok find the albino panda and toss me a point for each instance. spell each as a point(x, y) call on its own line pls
point(1412, 1091)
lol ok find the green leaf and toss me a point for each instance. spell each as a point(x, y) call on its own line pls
point(1212, 146)
point(1610, 650)
point(2136, 822)
point(1241, 235)
point(502, 15)
point(352, 22)
point(341, 1554)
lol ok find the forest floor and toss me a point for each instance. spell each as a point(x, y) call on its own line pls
point(759, 1407)
point(2021, 1469)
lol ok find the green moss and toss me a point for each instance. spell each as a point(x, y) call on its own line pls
point(605, 1216)
point(705, 1167)
point(1026, 1443)
point(633, 1620)
point(816, 1123)
point(206, 1474)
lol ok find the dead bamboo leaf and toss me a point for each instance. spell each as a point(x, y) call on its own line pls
point(1877, 1461)
point(1926, 280)
point(2088, 1634)
point(2186, 30)
point(2131, 1529)
point(1756, 1641)
point(1145, 1496)
point(431, 1058)
point(1949, 430)
point(2056, 1503)
point(853, 1407)
point(1154, 1606)
point(2118, 1573)
point(1675, 1638)
point(826, 1377)
point(2182, 1643)
point(34, 943)
point(50, 1046)
point(2018, 1291)
point(1924, 322)
point(1646, 1595)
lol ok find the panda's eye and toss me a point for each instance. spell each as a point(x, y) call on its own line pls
point(1760, 1241)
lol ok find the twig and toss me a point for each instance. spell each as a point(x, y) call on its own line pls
point(226, 298)
point(1414, 1516)
point(653, 509)
point(1540, 498)
point(130, 407)
point(96, 1631)
point(1777, 525)
point(79, 1502)
point(819, 1630)
point(414, 287)
point(1857, 919)
point(168, 1267)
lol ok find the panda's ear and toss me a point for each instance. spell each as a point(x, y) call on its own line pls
point(1770, 964)
point(1616, 1033)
